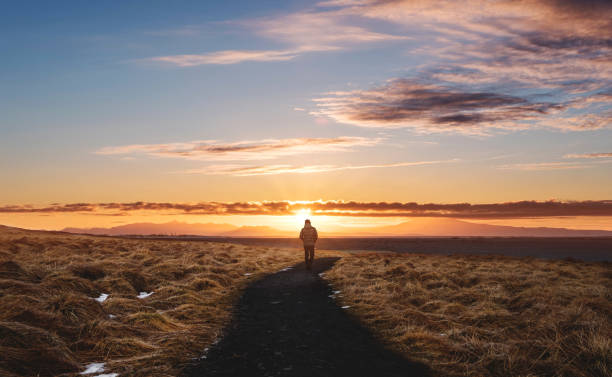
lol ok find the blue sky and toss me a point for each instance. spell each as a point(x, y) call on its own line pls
point(339, 100)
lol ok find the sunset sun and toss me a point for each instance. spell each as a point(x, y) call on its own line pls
point(302, 215)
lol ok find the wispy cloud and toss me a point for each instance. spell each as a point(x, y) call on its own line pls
point(319, 31)
point(537, 166)
point(227, 57)
point(589, 155)
point(302, 32)
point(245, 171)
point(507, 210)
point(589, 160)
point(243, 150)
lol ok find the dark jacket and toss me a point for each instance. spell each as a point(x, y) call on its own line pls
point(309, 235)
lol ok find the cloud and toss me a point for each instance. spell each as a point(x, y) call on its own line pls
point(507, 210)
point(243, 150)
point(547, 61)
point(543, 52)
point(583, 18)
point(537, 166)
point(302, 32)
point(227, 57)
point(245, 171)
point(319, 31)
point(589, 155)
point(55, 208)
point(407, 103)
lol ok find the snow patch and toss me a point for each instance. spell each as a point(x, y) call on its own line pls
point(144, 295)
point(101, 298)
point(346, 306)
point(107, 375)
point(111, 316)
point(322, 274)
point(94, 368)
point(248, 274)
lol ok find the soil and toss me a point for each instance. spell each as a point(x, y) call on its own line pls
point(287, 325)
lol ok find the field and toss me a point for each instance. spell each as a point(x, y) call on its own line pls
point(591, 249)
point(51, 324)
point(148, 307)
point(484, 315)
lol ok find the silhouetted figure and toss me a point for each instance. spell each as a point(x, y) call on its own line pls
point(309, 237)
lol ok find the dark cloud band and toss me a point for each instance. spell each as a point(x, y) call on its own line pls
point(522, 209)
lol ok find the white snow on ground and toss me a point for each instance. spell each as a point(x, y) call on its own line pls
point(203, 356)
point(144, 294)
point(107, 375)
point(336, 292)
point(111, 316)
point(346, 307)
point(94, 368)
point(286, 269)
point(322, 274)
point(248, 274)
point(102, 298)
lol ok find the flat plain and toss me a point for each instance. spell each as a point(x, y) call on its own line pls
point(150, 307)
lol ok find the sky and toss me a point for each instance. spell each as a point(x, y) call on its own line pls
point(359, 111)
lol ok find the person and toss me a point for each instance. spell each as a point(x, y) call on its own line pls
point(309, 237)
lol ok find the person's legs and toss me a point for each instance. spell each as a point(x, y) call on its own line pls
point(306, 255)
point(309, 253)
point(311, 256)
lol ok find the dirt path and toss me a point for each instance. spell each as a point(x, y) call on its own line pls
point(287, 325)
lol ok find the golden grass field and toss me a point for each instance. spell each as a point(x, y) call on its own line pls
point(461, 315)
point(50, 324)
point(484, 315)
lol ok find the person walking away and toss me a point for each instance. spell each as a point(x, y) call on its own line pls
point(309, 237)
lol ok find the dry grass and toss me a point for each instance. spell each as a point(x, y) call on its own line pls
point(485, 316)
point(50, 324)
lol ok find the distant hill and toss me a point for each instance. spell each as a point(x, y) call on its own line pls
point(440, 227)
point(426, 227)
point(259, 231)
point(181, 228)
point(171, 228)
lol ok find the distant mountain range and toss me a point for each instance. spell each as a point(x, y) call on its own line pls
point(431, 227)
point(180, 228)
point(444, 227)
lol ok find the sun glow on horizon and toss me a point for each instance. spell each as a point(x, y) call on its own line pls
point(302, 215)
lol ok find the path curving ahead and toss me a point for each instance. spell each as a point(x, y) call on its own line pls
point(287, 325)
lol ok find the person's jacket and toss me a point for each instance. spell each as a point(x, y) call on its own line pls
point(309, 235)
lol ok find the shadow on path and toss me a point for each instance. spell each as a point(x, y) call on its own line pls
point(287, 325)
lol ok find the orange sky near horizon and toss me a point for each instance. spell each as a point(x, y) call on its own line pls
point(288, 222)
